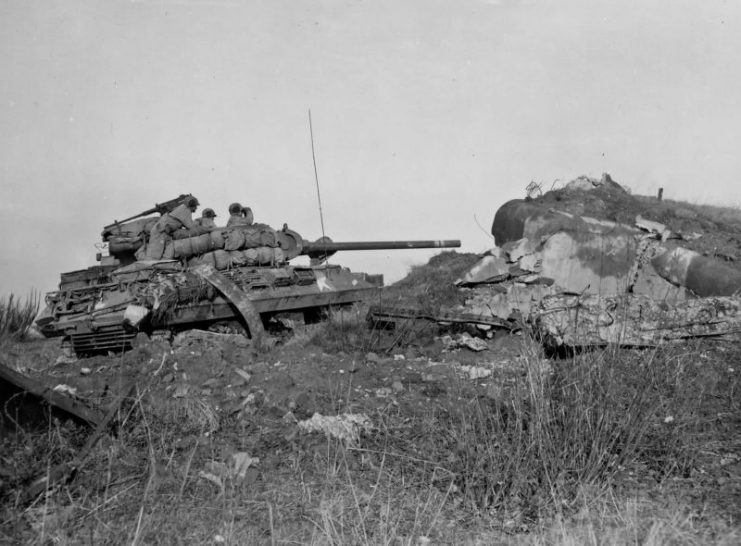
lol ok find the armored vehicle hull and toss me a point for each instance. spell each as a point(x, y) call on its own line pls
point(97, 318)
point(224, 275)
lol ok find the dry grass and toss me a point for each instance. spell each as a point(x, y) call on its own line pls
point(606, 447)
point(729, 217)
point(17, 316)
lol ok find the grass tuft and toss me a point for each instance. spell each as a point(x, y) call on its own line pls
point(17, 316)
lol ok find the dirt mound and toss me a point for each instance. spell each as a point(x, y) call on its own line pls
point(603, 199)
point(433, 282)
point(709, 230)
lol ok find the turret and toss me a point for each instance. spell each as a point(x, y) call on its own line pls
point(259, 244)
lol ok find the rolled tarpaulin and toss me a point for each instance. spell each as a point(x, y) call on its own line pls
point(703, 276)
point(223, 259)
point(200, 244)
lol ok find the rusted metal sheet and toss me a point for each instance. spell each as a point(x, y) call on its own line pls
point(392, 312)
point(633, 320)
point(240, 300)
point(19, 383)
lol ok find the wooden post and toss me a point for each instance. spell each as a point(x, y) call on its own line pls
point(661, 193)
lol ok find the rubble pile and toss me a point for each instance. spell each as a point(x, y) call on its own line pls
point(619, 277)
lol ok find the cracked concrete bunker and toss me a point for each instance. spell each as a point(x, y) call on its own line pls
point(590, 264)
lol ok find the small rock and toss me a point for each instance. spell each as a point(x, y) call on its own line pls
point(383, 392)
point(231, 407)
point(399, 357)
point(250, 475)
point(282, 381)
point(412, 377)
point(397, 386)
point(372, 357)
point(65, 389)
point(65, 359)
point(476, 372)
point(210, 383)
point(168, 378)
point(181, 391)
point(303, 400)
point(243, 374)
point(85, 371)
point(241, 462)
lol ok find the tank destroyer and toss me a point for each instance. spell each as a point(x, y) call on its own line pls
point(240, 274)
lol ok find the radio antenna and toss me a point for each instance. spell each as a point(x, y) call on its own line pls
point(316, 177)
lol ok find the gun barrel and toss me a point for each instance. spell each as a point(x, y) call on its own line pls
point(140, 215)
point(319, 247)
point(162, 208)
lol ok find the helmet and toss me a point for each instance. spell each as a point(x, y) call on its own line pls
point(208, 213)
point(235, 208)
point(191, 202)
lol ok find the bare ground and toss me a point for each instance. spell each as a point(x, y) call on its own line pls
point(433, 466)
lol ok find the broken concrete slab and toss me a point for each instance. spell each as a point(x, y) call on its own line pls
point(488, 269)
point(656, 228)
point(514, 304)
point(516, 250)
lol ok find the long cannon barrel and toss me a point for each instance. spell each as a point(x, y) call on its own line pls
point(323, 248)
point(331, 246)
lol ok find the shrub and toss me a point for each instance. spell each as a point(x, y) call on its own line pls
point(16, 317)
point(432, 285)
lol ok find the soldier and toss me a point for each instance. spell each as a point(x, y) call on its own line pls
point(237, 216)
point(181, 217)
point(247, 215)
point(207, 219)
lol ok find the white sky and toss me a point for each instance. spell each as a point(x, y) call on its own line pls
point(427, 114)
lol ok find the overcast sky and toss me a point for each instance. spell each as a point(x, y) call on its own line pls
point(428, 114)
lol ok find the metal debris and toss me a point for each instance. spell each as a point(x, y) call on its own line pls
point(633, 320)
point(57, 397)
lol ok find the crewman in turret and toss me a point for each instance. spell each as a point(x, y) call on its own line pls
point(181, 217)
point(239, 215)
point(207, 219)
point(247, 215)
